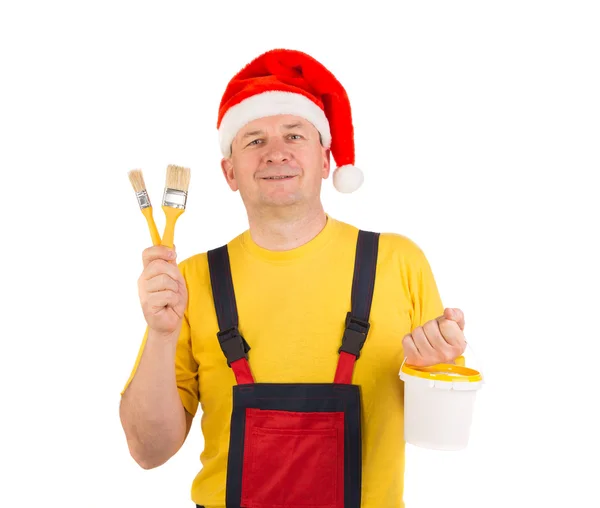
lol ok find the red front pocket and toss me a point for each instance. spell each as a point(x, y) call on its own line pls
point(293, 459)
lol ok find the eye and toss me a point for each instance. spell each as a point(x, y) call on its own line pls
point(254, 142)
point(297, 136)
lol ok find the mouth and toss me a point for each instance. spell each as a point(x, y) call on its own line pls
point(279, 177)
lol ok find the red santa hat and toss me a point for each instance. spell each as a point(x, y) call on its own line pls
point(288, 82)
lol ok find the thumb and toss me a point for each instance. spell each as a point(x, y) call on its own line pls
point(455, 315)
point(174, 261)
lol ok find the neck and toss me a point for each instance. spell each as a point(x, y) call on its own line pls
point(287, 228)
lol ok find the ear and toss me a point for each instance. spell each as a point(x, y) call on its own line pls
point(326, 164)
point(227, 167)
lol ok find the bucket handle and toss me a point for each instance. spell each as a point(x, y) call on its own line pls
point(458, 361)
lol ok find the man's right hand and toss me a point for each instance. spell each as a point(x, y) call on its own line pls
point(162, 290)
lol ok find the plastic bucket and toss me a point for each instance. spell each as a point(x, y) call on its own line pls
point(438, 405)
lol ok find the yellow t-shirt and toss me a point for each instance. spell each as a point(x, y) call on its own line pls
point(292, 306)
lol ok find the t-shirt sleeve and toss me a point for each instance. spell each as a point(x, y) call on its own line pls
point(426, 300)
point(186, 368)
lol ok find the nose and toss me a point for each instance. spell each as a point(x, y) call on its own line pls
point(276, 153)
point(276, 157)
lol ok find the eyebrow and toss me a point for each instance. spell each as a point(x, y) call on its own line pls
point(293, 125)
point(287, 126)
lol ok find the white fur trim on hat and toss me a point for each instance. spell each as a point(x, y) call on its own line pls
point(270, 104)
point(347, 178)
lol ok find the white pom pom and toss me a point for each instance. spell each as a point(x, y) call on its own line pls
point(347, 178)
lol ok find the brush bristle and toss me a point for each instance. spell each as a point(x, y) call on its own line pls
point(178, 178)
point(137, 180)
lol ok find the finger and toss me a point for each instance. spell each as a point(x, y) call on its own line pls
point(159, 267)
point(158, 252)
point(422, 342)
point(174, 260)
point(455, 315)
point(454, 336)
point(451, 333)
point(411, 353)
point(443, 349)
point(160, 283)
point(163, 299)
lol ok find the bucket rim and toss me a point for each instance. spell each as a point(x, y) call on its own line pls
point(464, 374)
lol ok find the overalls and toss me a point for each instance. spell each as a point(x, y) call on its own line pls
point(295, 445)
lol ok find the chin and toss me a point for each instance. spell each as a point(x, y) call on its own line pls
point(281, 199)
point(280, 202)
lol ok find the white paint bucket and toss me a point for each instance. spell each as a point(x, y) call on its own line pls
point(438, 405)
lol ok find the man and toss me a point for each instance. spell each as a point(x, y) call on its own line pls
point(310, 422)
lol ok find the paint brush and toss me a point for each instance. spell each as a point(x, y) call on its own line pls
point(137, 182)
point(174, 200)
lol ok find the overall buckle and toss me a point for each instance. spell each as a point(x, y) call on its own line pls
point(233, 345)
point(355, 335)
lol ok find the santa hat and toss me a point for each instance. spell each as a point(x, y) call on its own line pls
point(288, 82)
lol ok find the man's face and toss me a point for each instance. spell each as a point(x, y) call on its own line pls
point(277, 161)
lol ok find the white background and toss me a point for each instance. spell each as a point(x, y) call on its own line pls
point(477, 127)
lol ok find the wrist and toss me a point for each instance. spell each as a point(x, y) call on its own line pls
point(168, 339)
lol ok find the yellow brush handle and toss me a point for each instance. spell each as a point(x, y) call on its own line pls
point(172, 214)
point(151, 225)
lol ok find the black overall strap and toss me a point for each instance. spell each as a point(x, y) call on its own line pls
point(232, 343)
point(357, 320)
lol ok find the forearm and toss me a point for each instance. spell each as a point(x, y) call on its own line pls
point(152, 414)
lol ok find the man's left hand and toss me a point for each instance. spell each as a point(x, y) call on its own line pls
point(440, 340)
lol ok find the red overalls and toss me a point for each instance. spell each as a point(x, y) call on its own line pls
point(295, 445)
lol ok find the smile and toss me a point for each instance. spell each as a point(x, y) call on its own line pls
point(278, 177)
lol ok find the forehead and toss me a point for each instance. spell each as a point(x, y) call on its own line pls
point(276, 122)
